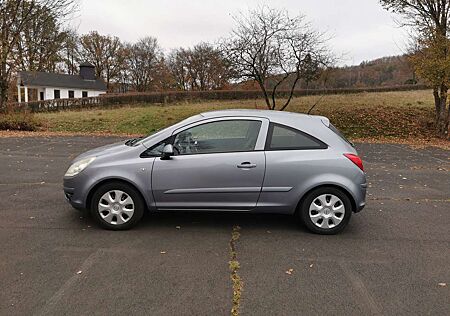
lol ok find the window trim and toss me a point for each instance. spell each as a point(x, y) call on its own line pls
point(270, 134)
point(260, 142)
point(215, 120)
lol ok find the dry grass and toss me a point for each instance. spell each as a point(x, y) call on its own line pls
point(22, 121)
point(366, 115)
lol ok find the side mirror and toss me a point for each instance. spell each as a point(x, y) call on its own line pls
point(167, 152)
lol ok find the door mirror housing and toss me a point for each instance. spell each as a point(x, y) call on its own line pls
point(167, 152)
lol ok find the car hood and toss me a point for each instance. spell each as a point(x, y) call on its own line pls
point(105, 150)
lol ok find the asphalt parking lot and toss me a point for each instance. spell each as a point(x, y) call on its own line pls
point(393, 258)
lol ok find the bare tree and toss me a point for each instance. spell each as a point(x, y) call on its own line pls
point(40, 43)
point(201, 68)
point(70, 52)
point(178, 63)
point(429, 20)
point(143, 63)
point(163, 78)
point(105, 52)
point(273, 48)
point(15, 18)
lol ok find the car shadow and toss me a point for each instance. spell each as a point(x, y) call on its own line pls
point(216, 220)
point(226, 220)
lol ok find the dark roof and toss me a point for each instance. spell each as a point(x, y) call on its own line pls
point(86, 64)
point(47, 79)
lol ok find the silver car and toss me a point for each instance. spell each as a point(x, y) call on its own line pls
point(232, 160)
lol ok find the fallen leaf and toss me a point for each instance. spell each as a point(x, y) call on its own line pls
point(79, 272)
point(289, 271)
point(178, 227)
point(442, 284)
point(163, 252)
point(32, 217)
point(311, 265)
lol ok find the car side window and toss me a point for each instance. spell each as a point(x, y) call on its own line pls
point(282, 137)
point(218, 137)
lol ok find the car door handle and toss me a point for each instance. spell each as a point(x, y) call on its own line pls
point(246, 165)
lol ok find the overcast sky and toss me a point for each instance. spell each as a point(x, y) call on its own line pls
point(361, 29)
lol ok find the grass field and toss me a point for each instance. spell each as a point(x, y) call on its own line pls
point(365, 115)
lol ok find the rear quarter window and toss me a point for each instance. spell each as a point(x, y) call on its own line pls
point(281, 137)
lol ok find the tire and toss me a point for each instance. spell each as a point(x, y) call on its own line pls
point(120, 210)
point(325, 216)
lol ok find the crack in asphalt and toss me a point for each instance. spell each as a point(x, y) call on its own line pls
point(406, 199)
point(366, 299)
point(54, 301)
point(234, 267)
point(31, 183)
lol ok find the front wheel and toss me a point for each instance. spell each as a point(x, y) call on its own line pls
point(326, 211)
point(117, 206)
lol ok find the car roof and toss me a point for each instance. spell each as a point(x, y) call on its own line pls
point(314, 125)
point(272, 115)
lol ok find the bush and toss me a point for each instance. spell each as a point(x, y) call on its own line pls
point(19, 122)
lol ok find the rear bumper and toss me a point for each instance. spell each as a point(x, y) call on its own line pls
point(361, 199)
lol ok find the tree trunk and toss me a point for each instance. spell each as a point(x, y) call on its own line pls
point(266, 96)
point(3, 87)
point(442, 111)
point(3, 95)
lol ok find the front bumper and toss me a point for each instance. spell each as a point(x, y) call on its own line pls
point(69, 194)
point(74, 191)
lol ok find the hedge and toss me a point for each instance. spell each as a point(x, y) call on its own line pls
point(154, 98)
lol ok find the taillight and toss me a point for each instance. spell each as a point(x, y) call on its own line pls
point(356, 160)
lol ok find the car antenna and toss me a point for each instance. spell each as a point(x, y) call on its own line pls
point(314, 105)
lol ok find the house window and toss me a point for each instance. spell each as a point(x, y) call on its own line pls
point(57, 94)
point(84, 94)
point(71, 94)
point(41, 95)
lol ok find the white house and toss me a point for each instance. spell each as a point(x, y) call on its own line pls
point(51, 86)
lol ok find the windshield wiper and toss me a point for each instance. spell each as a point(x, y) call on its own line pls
point(133, 141)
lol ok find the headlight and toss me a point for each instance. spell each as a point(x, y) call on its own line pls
point(78, 166)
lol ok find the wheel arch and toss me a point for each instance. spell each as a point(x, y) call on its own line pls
point(109, 180)
point(331, 185)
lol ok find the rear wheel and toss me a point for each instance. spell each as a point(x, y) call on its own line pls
point(326, 210)
point(117, 206)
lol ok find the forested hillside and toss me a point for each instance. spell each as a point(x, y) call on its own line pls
point(385, 71)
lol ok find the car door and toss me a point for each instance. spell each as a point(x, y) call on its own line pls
point(218, 164)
